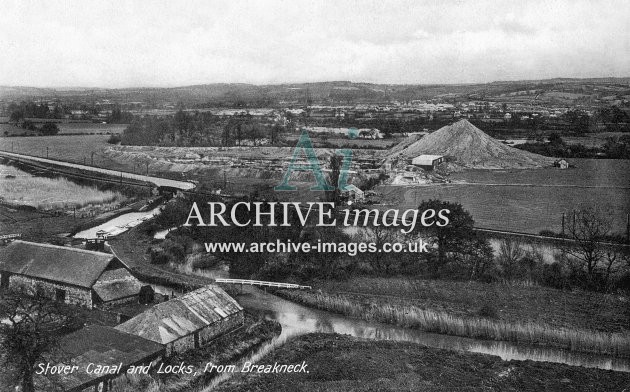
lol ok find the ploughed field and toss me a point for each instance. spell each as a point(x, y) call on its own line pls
point(528, 200)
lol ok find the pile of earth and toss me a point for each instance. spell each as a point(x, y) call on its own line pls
point(471, 148)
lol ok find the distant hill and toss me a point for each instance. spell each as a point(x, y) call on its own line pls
point(332, 92)
point(471, 148)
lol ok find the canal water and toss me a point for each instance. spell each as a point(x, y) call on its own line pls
point(298, 320)
point(119, 224)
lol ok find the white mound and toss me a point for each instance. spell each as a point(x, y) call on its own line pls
point(470, 147)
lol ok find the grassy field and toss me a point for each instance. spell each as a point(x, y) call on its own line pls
point(69, 148)
point(19, 188)
point(341, 363)
point(528, 200)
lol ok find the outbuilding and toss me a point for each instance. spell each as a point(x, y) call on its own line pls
point(189, 321)
point(95, 357)
point(427, 161)
point(69, 275)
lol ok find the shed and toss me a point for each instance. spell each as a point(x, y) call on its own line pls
point(561, 163)
point(427, 161)
point(189, 321)
point(95, 346)
point(70, 275)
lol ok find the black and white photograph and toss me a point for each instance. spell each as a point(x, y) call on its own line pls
point(314, 195)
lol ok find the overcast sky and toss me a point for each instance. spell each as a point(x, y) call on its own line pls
point(171, 43)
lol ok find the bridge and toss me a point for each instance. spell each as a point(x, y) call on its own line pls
point(263, 283)
point(98, 171)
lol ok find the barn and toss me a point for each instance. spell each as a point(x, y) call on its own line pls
point(70, 275)
point(427, 161)
point(189, 321)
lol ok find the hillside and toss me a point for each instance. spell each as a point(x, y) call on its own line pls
point(472, 148)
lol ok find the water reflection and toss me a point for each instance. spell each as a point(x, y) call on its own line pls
point(296, 320)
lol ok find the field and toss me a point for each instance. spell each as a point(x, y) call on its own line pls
point(528, 200)
point(19, 188)
point(342, 363)
point(72, 148)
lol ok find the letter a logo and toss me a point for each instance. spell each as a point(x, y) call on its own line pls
point(312, 164)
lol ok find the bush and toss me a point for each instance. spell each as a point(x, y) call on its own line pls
point(114, 139)
point(49, 129)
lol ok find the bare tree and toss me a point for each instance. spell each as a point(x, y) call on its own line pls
point(379, 235)
point(511, 254)
point(29, 333)
point(589, 251)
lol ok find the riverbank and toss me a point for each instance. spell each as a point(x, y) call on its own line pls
point(483, 320)
point(512, 303)
point(342, 363)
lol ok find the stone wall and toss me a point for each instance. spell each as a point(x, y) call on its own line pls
point(74, 295)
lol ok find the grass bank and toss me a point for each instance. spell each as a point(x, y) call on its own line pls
point(616, 344)
point(341, 363)
point(513, 303)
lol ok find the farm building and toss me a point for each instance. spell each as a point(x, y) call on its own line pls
point(101, 355)
point(427, 161)
point(353, 193)
point(189, 321)
point(70, 275)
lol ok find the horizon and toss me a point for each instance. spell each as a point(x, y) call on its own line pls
point(163, 44)
point(313, 82)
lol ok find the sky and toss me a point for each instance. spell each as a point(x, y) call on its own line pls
point(130, 43)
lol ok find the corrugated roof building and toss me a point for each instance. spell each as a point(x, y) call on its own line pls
point(101, 355)
point(70, 275)
point(189, 321)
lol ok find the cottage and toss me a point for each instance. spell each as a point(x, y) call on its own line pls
point(70, 275)
point(427, 161)
point(94, 357)
point(189, 321)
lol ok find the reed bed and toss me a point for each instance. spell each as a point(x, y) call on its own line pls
point(616, 344)
point(20, 188)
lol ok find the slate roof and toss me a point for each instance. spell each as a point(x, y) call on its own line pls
point(57, 263)
point(182, 316)
point(102, 346)
point(116, 284)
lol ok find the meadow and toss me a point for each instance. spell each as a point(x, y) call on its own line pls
point(20, 188)
point(528, 200)
point(71, 148)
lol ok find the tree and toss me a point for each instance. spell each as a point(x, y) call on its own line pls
point(451, 237)
point(30, 332)
point(510, 257)
point(49, 129)
point(589, 252)
point(333, 178)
